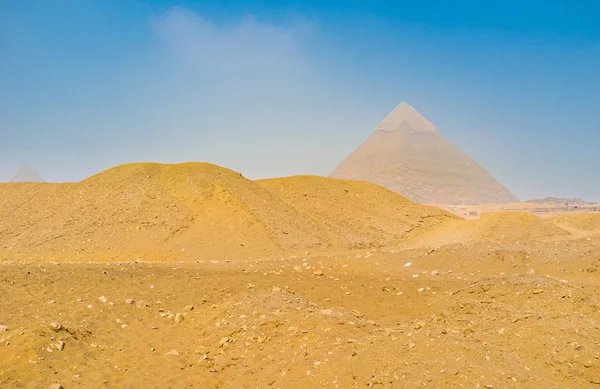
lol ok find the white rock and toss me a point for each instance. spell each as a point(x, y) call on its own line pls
point(129, 301)
point(223, 341)
point(172, 352)
point(407, 264)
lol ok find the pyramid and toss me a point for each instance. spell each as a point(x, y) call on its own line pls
point(27, 174)
point(408, 155)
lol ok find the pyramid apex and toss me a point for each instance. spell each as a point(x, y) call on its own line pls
point(405, 117)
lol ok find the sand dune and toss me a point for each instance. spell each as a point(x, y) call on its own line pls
point(579, 224)
point(498, 227)
point(199, 211)
point(356, 214)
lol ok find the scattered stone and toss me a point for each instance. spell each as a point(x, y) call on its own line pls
point(501, 331)
point(129, 301)
point(407, 264)
point(3, 328)
point(319, 273)
point(420, 289)
point(179, 318)
point(276, 289)
point(538, 291)
point(411, 345)
point(55, 326)
point(141, 304)
point(103, 299)
point(435, 273)
point(224, 341)
point(189, 308)
point(60, 346)
point(172, 352)
point(56, 386)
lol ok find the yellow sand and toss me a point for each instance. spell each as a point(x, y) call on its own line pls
point(580, 224)
point(197, 211)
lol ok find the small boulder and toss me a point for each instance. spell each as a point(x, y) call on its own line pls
point(141, 304)
point(224, 341)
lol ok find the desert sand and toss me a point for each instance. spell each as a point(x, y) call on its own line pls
point(192, 276)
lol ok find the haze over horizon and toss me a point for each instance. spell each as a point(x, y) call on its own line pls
point(271, 89)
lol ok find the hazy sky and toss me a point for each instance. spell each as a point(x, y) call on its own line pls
point(273, 88)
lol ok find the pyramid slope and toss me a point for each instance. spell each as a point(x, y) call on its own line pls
point(406, 154)
point(27, 174)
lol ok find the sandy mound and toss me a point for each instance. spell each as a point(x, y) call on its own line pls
point(195, 211)
point(356, 213)
point(149, 211)
point(583, 224)
point(494, 227)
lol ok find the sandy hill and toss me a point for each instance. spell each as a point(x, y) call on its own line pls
point(355, 213)
point(498, 227)
point(26, 174)
point(579, 224)
point(408, 155)
point(195, 211)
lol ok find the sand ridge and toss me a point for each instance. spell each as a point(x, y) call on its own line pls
point(579, 224)
point(197, 211)
point(497, 227)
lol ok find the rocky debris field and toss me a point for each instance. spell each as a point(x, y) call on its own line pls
point(517, 315)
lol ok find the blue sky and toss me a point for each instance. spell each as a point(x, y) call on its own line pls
point(274, 88)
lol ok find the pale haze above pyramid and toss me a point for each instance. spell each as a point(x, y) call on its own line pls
point(408, 155)
point(27, 174)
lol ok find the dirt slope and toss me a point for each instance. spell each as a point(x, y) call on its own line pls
point(583, 224)
point(498, 227)
point(185, 212)
point(356, 214)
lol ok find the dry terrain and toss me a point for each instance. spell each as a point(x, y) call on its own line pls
point(191, 276)
point(541, 209)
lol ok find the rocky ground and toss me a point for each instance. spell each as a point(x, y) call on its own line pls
point(510, 315)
